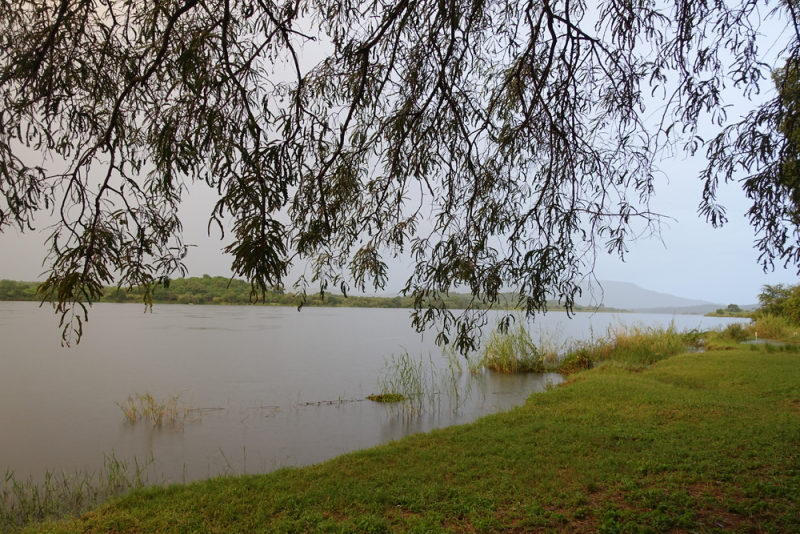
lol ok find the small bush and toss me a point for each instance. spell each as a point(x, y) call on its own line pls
point(735, 332)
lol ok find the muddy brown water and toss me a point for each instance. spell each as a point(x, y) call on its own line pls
point(278, 387)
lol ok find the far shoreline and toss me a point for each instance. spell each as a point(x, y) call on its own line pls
point(221, 291)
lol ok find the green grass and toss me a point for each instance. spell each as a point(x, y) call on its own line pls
point(633, 345)
point(700, 442)
point(513, 351)
point(774, 327)
point(59, 494)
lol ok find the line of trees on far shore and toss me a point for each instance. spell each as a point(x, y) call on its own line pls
point(220, 290)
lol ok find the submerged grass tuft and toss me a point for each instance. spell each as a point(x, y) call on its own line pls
point(387, 397)
point(409, 379)
point(145, 407)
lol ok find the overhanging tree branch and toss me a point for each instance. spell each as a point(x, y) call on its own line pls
point(501, 144)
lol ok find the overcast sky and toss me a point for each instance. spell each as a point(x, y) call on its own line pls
point(694, 260)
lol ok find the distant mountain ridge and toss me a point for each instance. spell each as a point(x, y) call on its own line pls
point(632, 297)
point(628, 296)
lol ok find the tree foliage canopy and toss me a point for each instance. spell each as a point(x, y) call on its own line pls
point(500, 144)
point(781, 301)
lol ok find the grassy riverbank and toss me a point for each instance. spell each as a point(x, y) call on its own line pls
point(706, 442)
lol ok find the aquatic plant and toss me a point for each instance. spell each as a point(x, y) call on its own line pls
point(25, 502)
point(411, 386)
point(387, 397)
point(774, 327)
point(512, 351)
point(411, 379)
point(634, 345)
point(145, 407)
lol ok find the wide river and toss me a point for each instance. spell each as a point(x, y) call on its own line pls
point(278, 387)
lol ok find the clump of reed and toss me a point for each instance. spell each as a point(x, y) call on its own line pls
point(726, 338)
point(410, 379)
point(145, 407)
point(25, 502)
point(737, 332)
point(635, 345)
point(410, 386)
point(512, 351)
point(774, 327)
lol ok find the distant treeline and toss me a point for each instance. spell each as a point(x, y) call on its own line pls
point(221, 290)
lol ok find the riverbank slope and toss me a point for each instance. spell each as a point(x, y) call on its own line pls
point(706, 442)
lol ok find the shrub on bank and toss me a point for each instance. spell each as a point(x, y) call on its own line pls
point(773, 327)
point(635, 344)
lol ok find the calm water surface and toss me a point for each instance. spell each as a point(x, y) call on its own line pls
point(286, 388)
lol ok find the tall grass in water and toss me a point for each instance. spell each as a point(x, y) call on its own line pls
point(512, 351)
point(410, 381)
point(413, 386)
point(774, 327)
point(25, 502)
point(634, 344)
point(145, 407)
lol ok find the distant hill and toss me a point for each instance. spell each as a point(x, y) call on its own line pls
point(632, 297)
